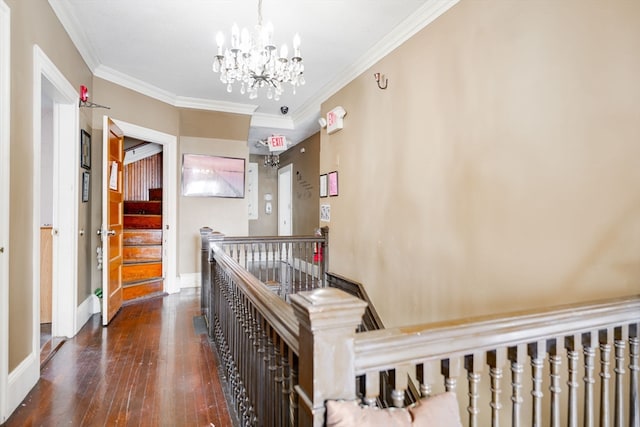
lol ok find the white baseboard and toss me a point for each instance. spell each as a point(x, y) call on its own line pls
point(22, 379)
point(86, 309)
point(190, 280)
point(96, 304)
point(172, 286)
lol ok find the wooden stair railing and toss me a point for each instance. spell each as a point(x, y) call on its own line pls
point(284, 361)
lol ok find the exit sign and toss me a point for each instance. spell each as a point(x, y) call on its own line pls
point(277, 143)
point(335, 120)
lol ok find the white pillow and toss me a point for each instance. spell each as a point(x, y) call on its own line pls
point(436, 411)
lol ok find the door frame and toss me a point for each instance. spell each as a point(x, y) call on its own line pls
point(288, 212)
point(169, 196)
point(5, 124)
point(66, 167)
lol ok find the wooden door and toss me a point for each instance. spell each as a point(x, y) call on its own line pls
point(112, 219)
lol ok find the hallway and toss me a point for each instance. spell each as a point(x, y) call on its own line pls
point(149, 367)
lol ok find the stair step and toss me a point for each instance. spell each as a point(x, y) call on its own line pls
point(142, 237)
point(143, 221)
point(141, 271)
point(143, 207)
point(142, 288)
point(141, 253)
point(155, 194)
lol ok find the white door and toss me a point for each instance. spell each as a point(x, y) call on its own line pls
point(285, 226)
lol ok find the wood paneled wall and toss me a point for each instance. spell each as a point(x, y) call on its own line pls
point(142, 175)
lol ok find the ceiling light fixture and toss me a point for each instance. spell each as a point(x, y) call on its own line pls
point(253, 61)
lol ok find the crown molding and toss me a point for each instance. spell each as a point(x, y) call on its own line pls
point(213, 105)
point(418, 20)
point(125, 80)
point(309, 111)
point(167, 97)
point(74, 30)
point(272, 121)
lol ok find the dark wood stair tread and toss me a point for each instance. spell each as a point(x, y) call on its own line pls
point(142, 221)
point(142, 282)
point(141, 262)
point(133, 207)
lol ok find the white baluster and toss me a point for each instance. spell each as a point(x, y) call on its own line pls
point(620, 344)
point(537, 353)
point(450, 368)
point(372, 388)
point(634, 344)
point(474, 363)
point(496, 360)
point(589, 342)
point(571, 344)
point(605, 353)
point(554, 370)
point(517, 357)
point(400, 386)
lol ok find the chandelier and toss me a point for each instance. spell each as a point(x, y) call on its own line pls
point(252, 61)
point(272, 160)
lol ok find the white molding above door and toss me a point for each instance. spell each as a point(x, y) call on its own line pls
point(169, 196)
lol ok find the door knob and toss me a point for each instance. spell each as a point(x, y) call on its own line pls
point(111, 232)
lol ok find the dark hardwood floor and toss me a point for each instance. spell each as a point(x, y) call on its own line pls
point(149, 367)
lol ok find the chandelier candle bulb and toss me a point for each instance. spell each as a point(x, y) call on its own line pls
point(284, 52)
point(220, 42)
point(235, 36)
point(296, 45)
point(268, 31)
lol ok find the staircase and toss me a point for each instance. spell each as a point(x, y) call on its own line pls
point(142, 247)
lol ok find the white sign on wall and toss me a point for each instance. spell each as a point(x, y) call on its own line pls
point(325, 213)
point(335, 120)
point(252, 190)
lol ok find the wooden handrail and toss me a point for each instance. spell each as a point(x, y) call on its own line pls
point(277, 312)
point(433, 341)
point(298, 356)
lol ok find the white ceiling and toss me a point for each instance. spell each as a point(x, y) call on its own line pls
point(165, 49)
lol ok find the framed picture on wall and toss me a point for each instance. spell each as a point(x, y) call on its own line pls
point(333, 183)
point(85, 149)
point(86, 178)
point(323, 185)
point(212, 176)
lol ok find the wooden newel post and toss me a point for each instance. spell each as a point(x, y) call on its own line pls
point(328, 319)
point(207, 235)
point(205, 269)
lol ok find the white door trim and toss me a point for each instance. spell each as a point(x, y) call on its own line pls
point(285, 200)
point(169, 196)
point(66, 180)
point(5, 120)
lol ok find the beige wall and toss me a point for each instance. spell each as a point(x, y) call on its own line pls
point(226, 215)
point(221, 134)
point(499, 170)
point(32, 22)
point(200, 132)
point(305, 158)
